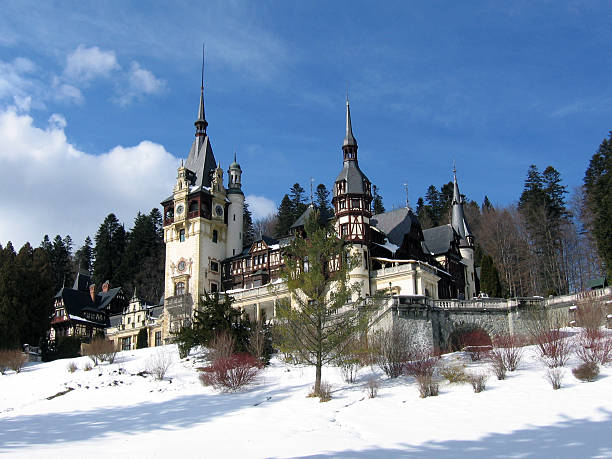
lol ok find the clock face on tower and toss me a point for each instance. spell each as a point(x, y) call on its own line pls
point(179, 209)
point(219, 210)
point(181, 266)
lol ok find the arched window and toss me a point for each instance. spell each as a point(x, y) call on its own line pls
point(179, 288)
point(193, 206)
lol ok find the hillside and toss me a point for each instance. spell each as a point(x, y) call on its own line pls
point(113, 411)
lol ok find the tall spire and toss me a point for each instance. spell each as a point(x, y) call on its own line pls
point(458, 221)
point(349, 146)
point(201, 122)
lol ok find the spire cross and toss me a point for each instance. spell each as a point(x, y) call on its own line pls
point(202, 86)
point(311, 194)
point(407, 196)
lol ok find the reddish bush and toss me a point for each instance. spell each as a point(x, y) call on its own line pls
point(507, 352)
point(554, 348)
point(231, 373)
point(14, 359)
point(423, 367)
point(594, 347)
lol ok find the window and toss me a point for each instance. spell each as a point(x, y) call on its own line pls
point(248, 262)
point(342, 204)
point(365, 259)
point(215, 236)
point(193, 206)
point(344, 230)
point(126, 343)
point(179, 289)
point(355, 203)
point(129, 320)
point(182, 235)
point(234, 217)
point(214, 266)
point(158, 341)
point(233, 251)
point(213, 287)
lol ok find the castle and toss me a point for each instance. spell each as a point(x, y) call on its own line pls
point(203, 233)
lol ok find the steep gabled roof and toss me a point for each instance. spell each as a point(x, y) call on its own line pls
point(395, 224)
point(201, 162)
point(438, 240)
point(301, 221)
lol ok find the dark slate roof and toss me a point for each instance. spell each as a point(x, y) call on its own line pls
point(201, 161)
point(156, 311)
point(355, 179)
point(438, 239)
point(115, 320)
point(82, 281)
point(301, 221)
point(76, 300)
point(103, 299)
point(395, 224)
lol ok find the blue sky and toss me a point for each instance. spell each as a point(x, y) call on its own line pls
point(97, 101)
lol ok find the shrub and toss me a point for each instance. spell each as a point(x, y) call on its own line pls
point(392, 349)
point(454, 373)
point(555, 377)
point(497, 365)
point(423, 367)
point(87, 366)
point(13, 359)
point(594, 347)
point(325, 392)
point(351, 359)
point(587, 371)
point(590, 316)
point(100, 350)
point(372, 387)
point(4, 361)
point(554, 349)
point(508, 350)
point(72, 367)
point(159, 363)
point(478, 381)
point(231, 373)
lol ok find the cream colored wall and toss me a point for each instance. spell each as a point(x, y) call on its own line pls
point(467, 255)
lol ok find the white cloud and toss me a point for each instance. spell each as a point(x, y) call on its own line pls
point(85, 64)
point(15, 82)
point(260, 206)
point(140, 82)
point(48, 186)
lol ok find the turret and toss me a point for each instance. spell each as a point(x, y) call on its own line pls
point(352, 197)
point(466, 244)
point(235, 210)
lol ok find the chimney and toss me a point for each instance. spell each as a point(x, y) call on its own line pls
point(105, 286)
point(92, 292)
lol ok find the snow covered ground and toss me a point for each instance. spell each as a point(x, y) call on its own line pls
point(112, 411)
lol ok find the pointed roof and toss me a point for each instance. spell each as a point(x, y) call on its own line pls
point(82, 281)
point(301, 221)
point(201, 161)
point(201, 122)
point(458, 221)
point(349, 139)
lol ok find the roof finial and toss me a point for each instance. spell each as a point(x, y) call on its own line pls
point(234, 155)
point(311, 193)
point(407, 197)
point(349, 139)
point(201, 122)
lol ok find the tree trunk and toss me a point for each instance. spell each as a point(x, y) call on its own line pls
point(317, 387)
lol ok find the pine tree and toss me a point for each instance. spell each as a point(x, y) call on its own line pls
point(61, 261)
point(598, 190)
point(83, 257)
point(486, 204)
point(142, 340)
point(298, 203)
point(11, 317)
point(109, 249)
point(434, 203)
point(489, 278)
point(314, 329)
point(285, 217)
point(377, 201)
point(248, 230)
point(322, 203)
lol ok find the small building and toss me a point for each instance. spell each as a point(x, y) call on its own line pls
point(80, 311)
point(124, 327)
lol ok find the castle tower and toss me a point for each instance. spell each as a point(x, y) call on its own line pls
point(195, 227)
point(466, 245)
point(235, 210)
point(352, 197)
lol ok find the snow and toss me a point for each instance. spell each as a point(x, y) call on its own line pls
point(113, 411)
point(573, 308)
